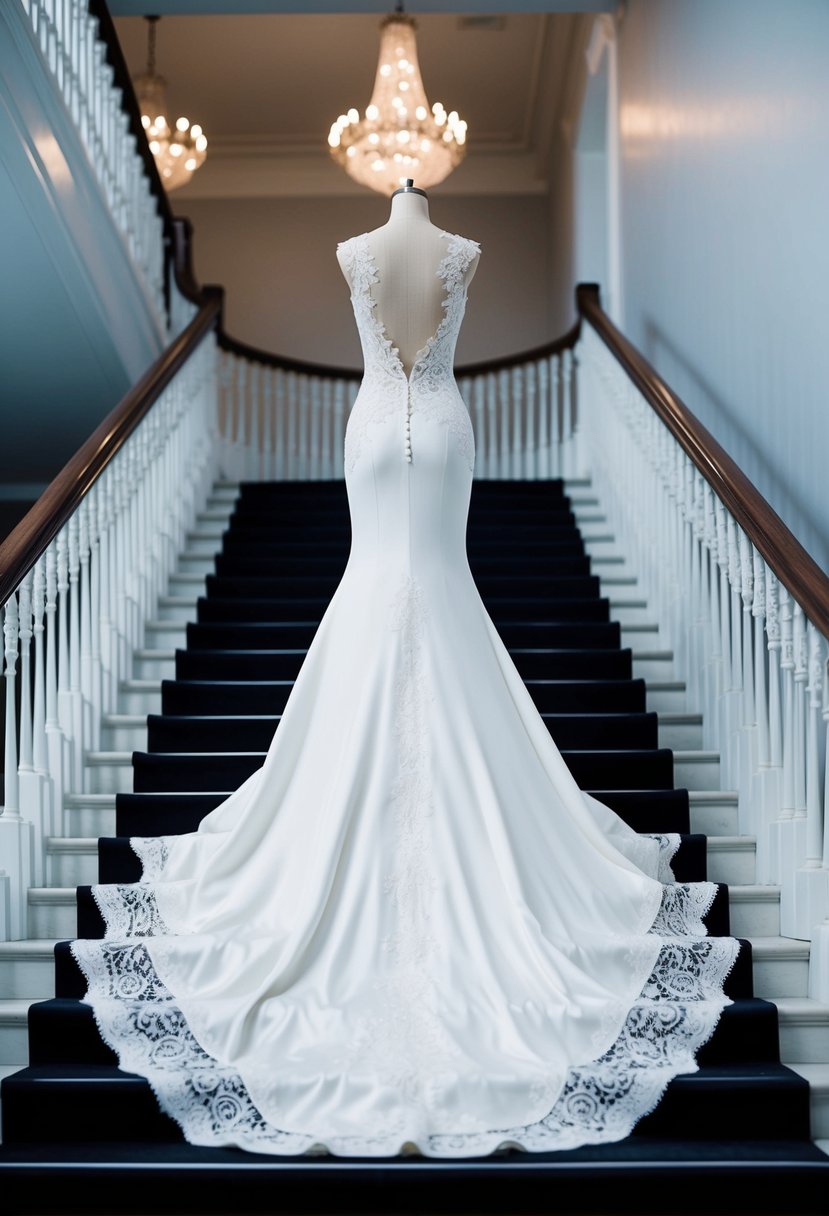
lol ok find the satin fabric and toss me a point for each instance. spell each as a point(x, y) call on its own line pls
point(409, 929)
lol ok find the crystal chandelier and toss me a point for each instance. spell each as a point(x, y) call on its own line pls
point(178, 150)
point(400, 136)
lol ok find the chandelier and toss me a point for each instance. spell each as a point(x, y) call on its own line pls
point(178, 150)
point(400, 136)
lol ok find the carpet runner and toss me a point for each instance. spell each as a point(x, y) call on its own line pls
point(79, 1135)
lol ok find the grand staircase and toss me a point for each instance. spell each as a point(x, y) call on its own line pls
point(196, 720)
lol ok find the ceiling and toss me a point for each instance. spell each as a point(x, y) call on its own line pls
point(266, 87)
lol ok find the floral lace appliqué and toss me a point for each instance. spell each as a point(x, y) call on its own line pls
point(429, 389)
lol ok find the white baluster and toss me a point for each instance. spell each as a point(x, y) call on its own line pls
point(40, 758)
point(340, 419)
point(314, 430)
point(16, 835)
point(504, 408)
point(819, 961)
point(267, 463)
point(30, 792)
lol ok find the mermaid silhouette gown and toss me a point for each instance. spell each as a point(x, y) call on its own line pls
point(409, 930)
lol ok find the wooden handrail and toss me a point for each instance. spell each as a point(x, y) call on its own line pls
point(255, 355)
point(24, 545)
point(797, 570)
point(555, 347)
point(186, 279)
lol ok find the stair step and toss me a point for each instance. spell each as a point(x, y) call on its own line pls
point(781, 967)
point(817, 1076)
point(732, 859)
point(254, 732)
point(666, 696)
point(90, 814)
point(681, 731)
point(269, 696)
point(52, 912)
point(14, 1034)
point(27, 969)
point(697, 770)
point(197, 771)
point(124, 732)
point(63, 1030)
point(179, 608)
point(755, 910)
point(73, 860)
point(804, 1030)
point(90, 923)
point(99, 1103)
point(714, 812)
point(630, 1175)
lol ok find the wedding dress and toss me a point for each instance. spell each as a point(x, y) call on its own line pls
point(409, 930)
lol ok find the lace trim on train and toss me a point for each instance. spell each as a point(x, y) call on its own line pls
point(676, 1012)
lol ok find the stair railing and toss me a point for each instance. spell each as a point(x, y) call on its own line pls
point(79, 576)
point(81, 51)
point(285, 418)
point(743, 605)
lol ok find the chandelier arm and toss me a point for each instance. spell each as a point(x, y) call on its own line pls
point(151, 28)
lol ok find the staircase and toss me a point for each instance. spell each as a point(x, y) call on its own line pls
point(197, 718)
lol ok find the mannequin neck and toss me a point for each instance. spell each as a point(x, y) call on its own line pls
point(408, 207)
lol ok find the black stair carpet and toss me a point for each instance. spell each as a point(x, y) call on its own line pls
point(81, 1136)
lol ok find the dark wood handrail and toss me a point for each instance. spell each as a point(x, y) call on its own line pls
point(797, 570)
point(24, 545)
point(324, 370)
point(186, 279)
point(547, 349)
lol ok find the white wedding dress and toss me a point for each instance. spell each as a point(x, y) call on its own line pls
point(409, 929)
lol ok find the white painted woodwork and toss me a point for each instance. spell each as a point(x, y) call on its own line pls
point(753, 665)
point(74, 632)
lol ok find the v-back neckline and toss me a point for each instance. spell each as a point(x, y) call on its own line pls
point(380, 326)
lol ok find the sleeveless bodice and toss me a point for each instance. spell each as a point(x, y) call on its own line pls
point(428, 394)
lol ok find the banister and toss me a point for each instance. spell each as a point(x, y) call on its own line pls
point(24, 545)
point(547, 349)
point(129, 101)
point(796, 569)
point(186, 279)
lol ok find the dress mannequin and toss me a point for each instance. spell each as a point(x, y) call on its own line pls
point(407, 251)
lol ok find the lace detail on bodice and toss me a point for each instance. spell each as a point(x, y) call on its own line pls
point(429, 389)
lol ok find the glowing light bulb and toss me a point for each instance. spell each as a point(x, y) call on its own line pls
point(372, 113)
point(353, 116)
point(182, 124)
point(190, 163)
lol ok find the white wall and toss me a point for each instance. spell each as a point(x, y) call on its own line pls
point(285, 292)
point(725, 229)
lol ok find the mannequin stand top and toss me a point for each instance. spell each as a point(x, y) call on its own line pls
point(407, 252)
